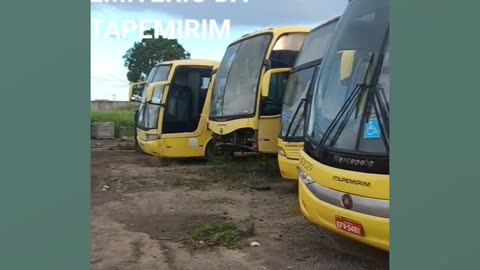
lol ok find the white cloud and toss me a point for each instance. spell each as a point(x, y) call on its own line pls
point(254, 13)
point(108, 74)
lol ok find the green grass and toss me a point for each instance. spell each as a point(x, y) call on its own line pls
point(119, 117)
point(256, 172)
point(219, 233)
point(216, 234)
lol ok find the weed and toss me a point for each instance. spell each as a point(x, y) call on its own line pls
point(219, 233)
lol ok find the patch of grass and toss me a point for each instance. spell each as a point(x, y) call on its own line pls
point(218, 233)
point(122, 117)
point(256, 172)
point(244, 173)
point(263, 165)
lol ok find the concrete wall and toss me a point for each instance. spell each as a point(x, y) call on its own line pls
point(107, 105)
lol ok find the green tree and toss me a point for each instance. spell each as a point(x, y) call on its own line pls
point(145, 54)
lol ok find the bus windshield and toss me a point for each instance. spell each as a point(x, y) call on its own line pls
point(293, 103)
point(235, 87)
point(316, 43)
point(350, 104)
point(308, 59)
point(148, 112)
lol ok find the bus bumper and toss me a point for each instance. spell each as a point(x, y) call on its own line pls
point(376, 229)
point(149, 147)
point(288, 167)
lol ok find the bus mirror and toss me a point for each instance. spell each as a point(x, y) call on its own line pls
point(151, 88)
point(149, 93)
point(135, 91)
point(346, 64)
point(271, 75)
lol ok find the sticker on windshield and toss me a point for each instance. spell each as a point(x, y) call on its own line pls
point(372, 129)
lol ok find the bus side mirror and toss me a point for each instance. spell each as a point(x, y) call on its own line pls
point(151, 88)
point(135, 91)
point(271, 75)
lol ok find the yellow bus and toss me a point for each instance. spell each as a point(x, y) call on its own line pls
point(172, 117)
point(290, 139)
point(248, 91)
point(344, 178)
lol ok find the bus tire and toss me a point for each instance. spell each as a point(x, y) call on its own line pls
point(212, 154)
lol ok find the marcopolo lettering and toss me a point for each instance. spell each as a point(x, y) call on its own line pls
point(353, 161)
point(351, 181)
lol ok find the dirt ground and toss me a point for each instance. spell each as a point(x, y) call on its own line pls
point(142, 208)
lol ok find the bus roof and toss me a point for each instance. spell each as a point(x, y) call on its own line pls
point(327, 23)
point(305, 56)
point(189, 62)
point(276, 31)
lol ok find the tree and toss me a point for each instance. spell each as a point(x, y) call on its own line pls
point(145, 54)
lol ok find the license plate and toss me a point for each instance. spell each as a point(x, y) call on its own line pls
point(349, 226)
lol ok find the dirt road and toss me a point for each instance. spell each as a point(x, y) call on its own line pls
point(148, 215)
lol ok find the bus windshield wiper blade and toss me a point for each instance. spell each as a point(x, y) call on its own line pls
point(294, 116)
point(345, 120)
point(377, 94)
point(374, 103)
point(302, 118)
point(384, 119)
point(351, 98)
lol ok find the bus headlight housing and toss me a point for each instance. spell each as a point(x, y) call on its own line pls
point(151, 137)
point(281, 152)
point(305, 178)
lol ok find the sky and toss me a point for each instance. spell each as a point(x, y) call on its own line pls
point(108, 74)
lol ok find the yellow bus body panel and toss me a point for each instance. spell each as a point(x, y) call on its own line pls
point(324, 214)
point(267, 127)
point(288, 163)
point(180, 145)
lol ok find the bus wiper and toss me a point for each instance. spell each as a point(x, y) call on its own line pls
point(377, 94)
point(345, 119)
point(381, 109)
point(294, 116)
point(351, 98)
point(302, 117)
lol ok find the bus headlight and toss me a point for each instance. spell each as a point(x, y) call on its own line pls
point(151, 137)
point(281, 152)
point(307, 180)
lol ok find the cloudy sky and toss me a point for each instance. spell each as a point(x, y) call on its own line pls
point(108, 74)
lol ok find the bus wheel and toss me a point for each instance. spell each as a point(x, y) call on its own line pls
point(212, 154)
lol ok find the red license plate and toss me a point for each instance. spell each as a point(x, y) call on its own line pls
point(349, 226)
